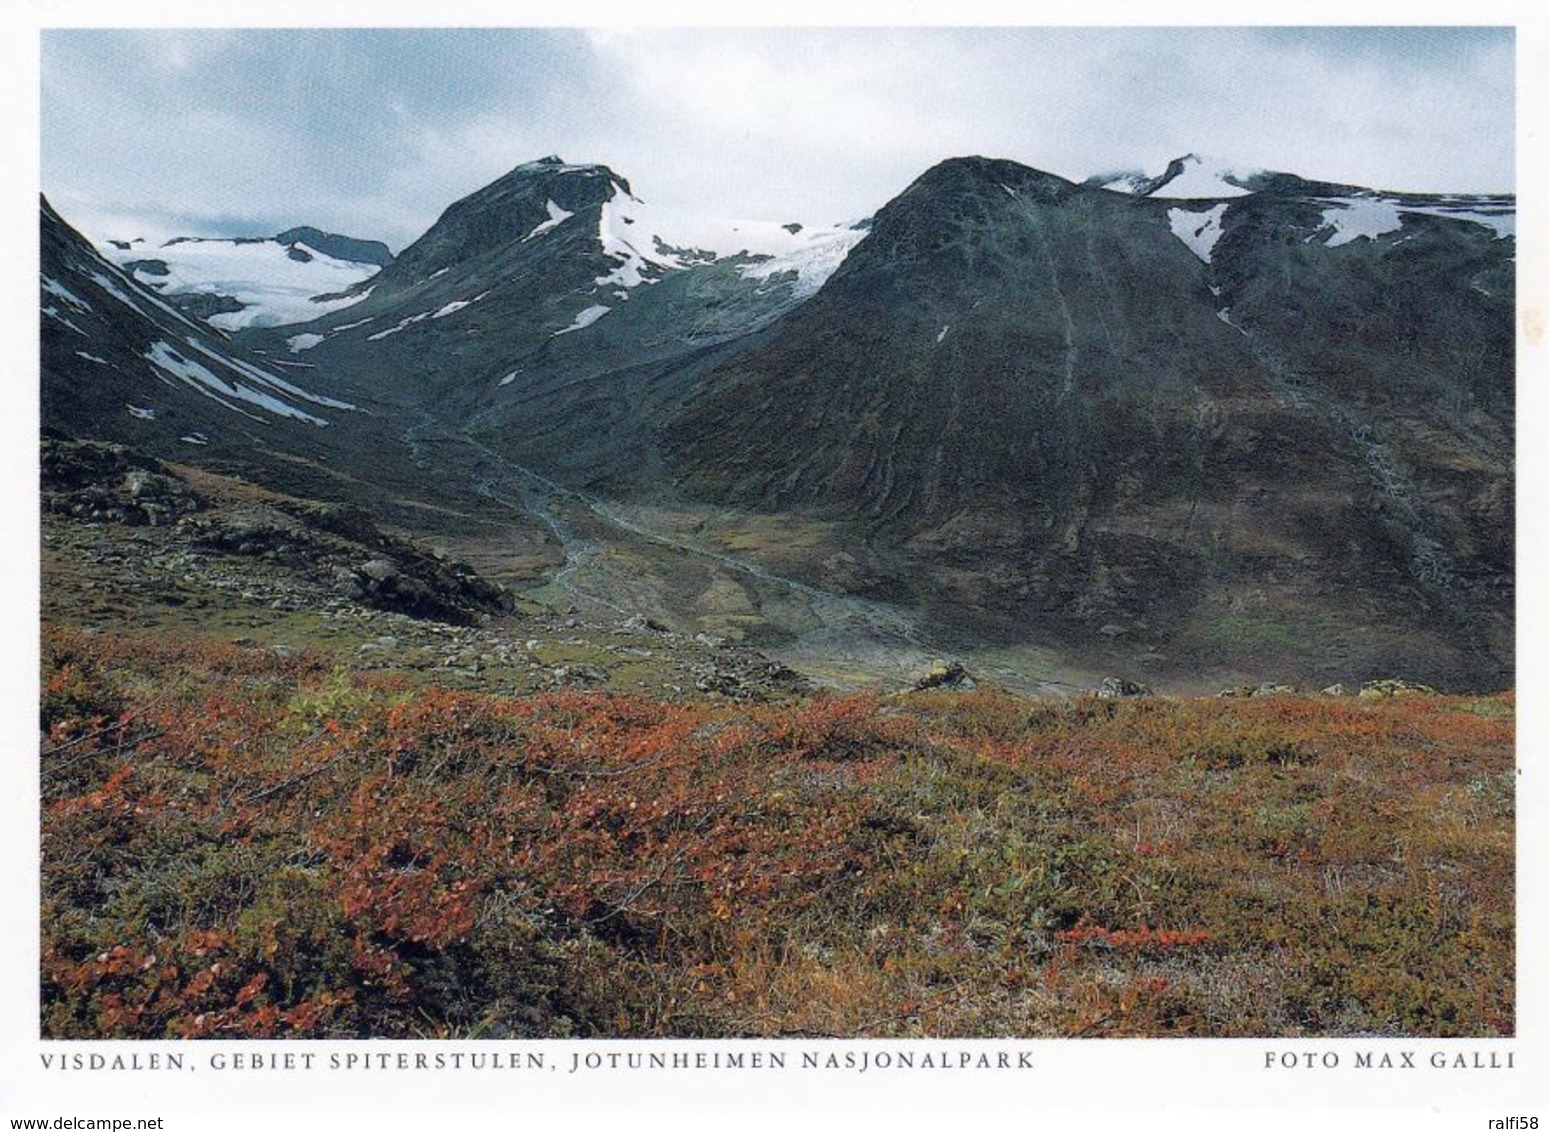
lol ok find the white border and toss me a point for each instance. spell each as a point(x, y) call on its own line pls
point(1187, 1083)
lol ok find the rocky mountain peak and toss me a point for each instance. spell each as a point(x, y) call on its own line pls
point(510, 209)
point(580, 183)
point(1197, 175)
point(1194, 176)
point(976, 175)
point(947, 209)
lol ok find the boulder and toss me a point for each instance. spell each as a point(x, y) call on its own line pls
point(1387, 688)
point(1268, 688)
point(379, 570)
point(1114, 688)
point(946, 674)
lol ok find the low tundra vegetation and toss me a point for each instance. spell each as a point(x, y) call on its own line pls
point(242, 843)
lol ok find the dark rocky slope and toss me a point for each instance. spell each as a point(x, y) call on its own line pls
point(1050, 416)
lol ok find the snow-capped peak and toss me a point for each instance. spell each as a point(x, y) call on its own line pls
point(1198, 177)
point(1133, 183)
point(1193, 176)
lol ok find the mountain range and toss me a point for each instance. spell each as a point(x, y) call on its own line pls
point(1191, 428)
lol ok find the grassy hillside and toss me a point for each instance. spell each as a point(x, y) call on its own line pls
point(272, 842)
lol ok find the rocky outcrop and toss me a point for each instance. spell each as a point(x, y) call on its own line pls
point(422, 585)
point(1114, 688)
point(1390, 687)
point(110, 483)
point(946, 674)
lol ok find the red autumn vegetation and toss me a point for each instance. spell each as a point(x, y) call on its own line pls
point(241, 843)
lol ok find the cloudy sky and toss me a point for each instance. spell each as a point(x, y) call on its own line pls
point(374, 132)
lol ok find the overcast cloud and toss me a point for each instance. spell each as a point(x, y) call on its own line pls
point(375, 132)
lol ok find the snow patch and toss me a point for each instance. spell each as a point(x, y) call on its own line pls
point(117, 292)
point(640, 258)
point(273, 288)
point(557, 216)
point(403, 322)
point(647, 243)
point(195, 438)
point(139, 413)
point(583, 320)
point(943, 333)
point(54, 313)
point(1355, 218)
point(813, 260)
point(91, 357)
point(450, 308)
point(273, 381)
point(1199, 231)
point(300, 342)
point(1504, 224)
point(60, 291)
point(1360, 218)
point(202, 380)
point(510, 377)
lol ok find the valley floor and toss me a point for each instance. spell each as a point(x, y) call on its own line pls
point(275, 805)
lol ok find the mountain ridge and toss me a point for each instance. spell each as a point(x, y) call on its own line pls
point(1030, 411)
point(1032, 479)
